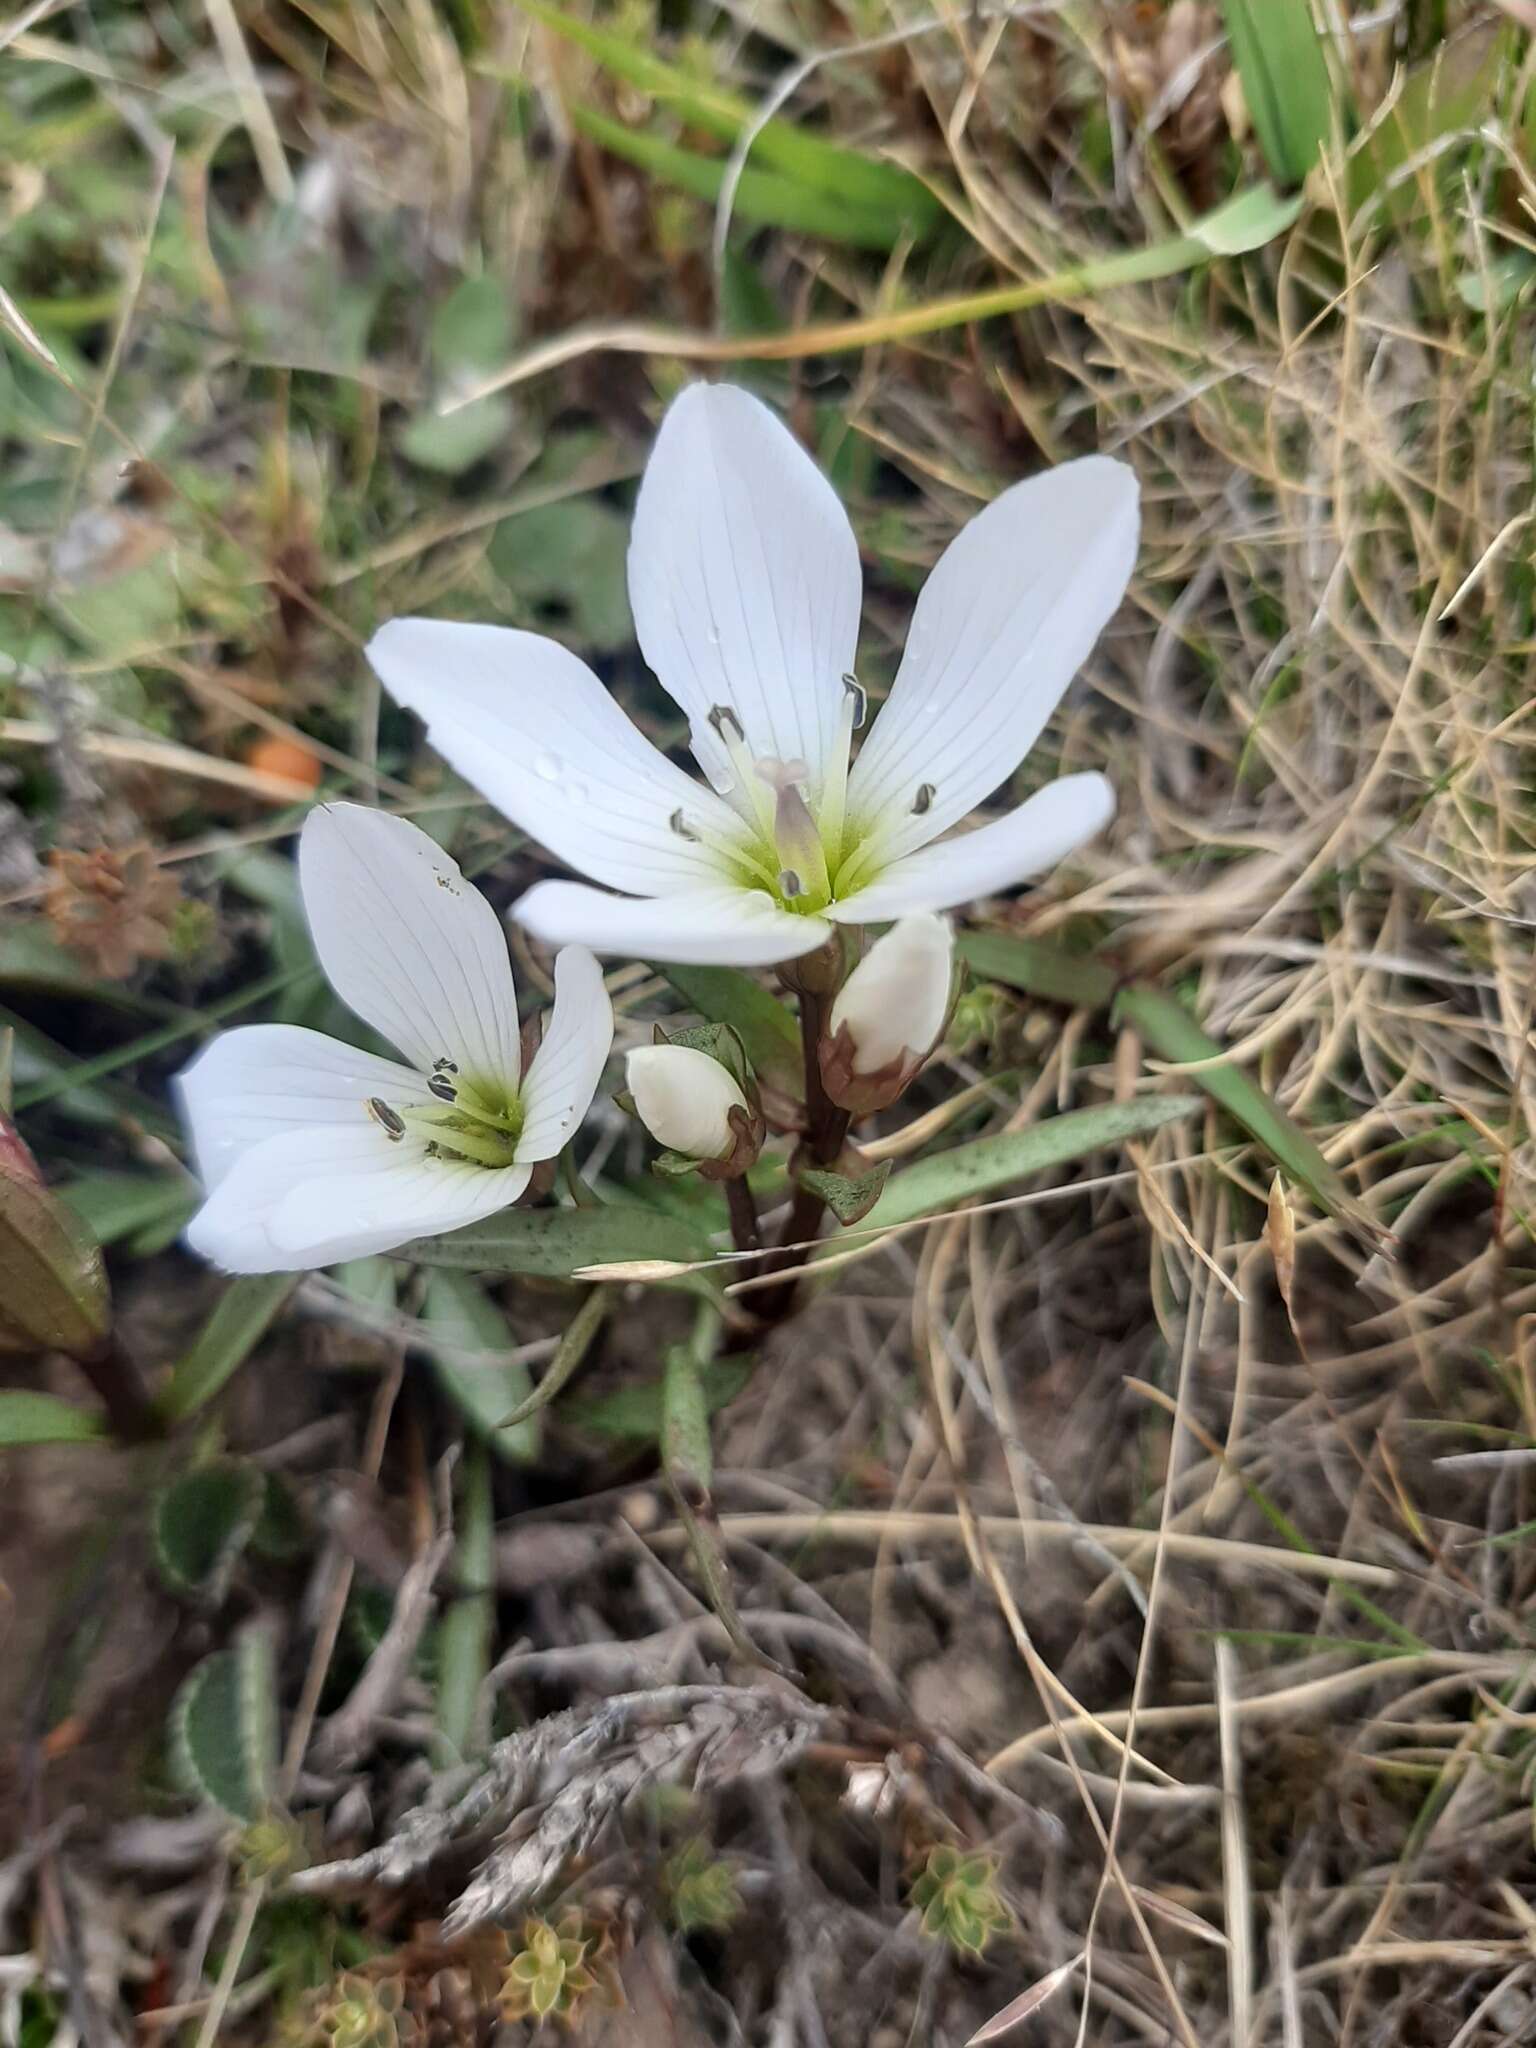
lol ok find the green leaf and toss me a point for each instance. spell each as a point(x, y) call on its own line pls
point(448, 443)
point(848, 1199)
point(557, 1243)
point(244, 1313)
point(765, 199)
point(1286, 86)
point(971, 1172)
point(764, 1025)
point(28, 1418)
point(464, 1634)
point(564, 565)
point(1450, 91)
point(224, 1727)
point(1168, 1028)
point(633, 1413)
point(1246, 222)
point(202, 1522)
point(469, 1340)
point(885, 190)
point(144, 1210)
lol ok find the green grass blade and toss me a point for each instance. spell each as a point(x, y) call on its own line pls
point(469, 1339)
point(764, 199)
point(1286, 84)
point(28, 1418)
point(464, 1634)
point(863, 182)
point(245, 1312)
point(972, 1172)
point(1173, 1034)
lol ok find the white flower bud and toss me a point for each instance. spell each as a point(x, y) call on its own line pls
point(895, 1001)
point(683, 1097)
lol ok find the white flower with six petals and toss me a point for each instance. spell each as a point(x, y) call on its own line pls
point(745, 584)
point(312, 1151)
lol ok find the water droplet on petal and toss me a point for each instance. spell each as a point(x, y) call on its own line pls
point(547, 764)
point(713, 634)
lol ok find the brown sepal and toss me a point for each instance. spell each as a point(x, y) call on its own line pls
point(863, 1094)
point(750, 1131)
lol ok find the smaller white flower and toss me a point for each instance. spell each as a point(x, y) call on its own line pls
point(895, 1001)
point(684, 1098)
point(312, 1151)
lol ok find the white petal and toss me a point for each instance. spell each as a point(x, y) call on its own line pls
point(1039, 833)
point(726, 926)
point(564, 1072)
point(265, 1079)
point(744, 579)
point(895, 1001)
point(407, 943)
point(533, 730)
point(684, 1099)
point(314, 1197)
point(1002, 626)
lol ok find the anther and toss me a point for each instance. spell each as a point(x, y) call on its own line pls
point(394, 1126)
point(790, 883)
point(923, 801)
point(680, 825)
point(860, 696)
point(440, 1086)
point(722, 716)
point(445, 1066)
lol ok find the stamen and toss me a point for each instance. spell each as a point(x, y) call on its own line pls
point(860, 696)
point(440, 1086)
point(681, 826)
point(923, 801)
point(795, 835)
point(445, 1066)
point(833, 808)
point(790, 884)
point(394, 1126)
point(733, 738)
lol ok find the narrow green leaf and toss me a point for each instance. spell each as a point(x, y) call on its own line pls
point(569, 1353)
point(28, 1418)
point(1451, 91)
point(972, 1172)
point(632, 1414)
point(556, 1243)
point(865, 182)
point(202, 1522)
point(464, 1633)
point(224, 1727)
point(1284, 72)
point(848, 1199)
point(765, 1026)
point(764, 198)
point(469, 1340)
point(144, 1210)
point(1172, 1033)
point(244, 1313)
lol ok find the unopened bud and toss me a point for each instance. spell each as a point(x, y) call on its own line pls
point(889, 1014)
point(53, 1286)
point(685, 1099)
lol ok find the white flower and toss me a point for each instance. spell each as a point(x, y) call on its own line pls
point(312, 1151)
point(684, 1099)
point(895, 1001)
point(744, 580)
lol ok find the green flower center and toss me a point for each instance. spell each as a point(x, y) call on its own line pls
point(472, 1122)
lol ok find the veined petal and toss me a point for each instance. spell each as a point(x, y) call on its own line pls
point(1039, 833)
point(563, 1074)
point(744, 579)
point(264, 1079)
point(1003, 624)
point(530, 726)
point(313, 1197)
point(407, 943)
point(724, 926)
